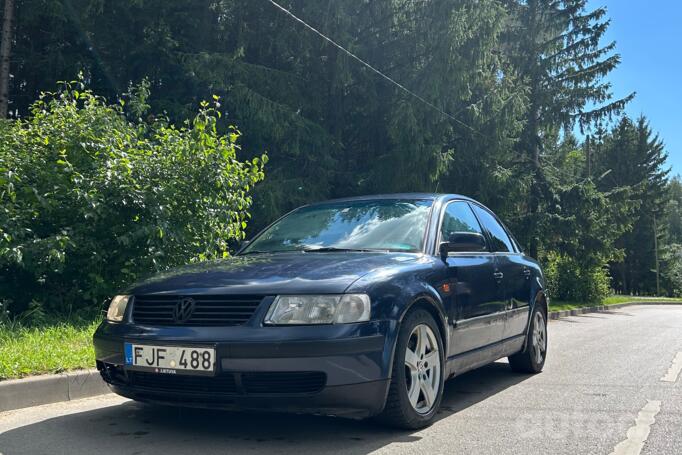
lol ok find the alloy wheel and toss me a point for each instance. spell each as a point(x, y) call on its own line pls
point(539, 337)
point(422, 368)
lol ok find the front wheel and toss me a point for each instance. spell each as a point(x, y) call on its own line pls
point(416, 386)
point(532, 359)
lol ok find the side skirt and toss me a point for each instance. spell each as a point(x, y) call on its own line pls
point(467, 361)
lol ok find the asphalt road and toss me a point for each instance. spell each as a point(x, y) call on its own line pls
point(611, 382)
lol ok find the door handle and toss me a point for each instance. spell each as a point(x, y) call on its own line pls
point(498, 275)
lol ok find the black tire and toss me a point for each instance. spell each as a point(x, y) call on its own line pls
point(527, 361)
point(398, 411)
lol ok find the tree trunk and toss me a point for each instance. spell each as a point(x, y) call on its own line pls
point(535, 191)
point(5, 52)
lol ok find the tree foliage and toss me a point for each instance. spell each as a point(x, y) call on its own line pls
point(531, 128)
point(556, 48)
point(91, 199)
point(631, 157)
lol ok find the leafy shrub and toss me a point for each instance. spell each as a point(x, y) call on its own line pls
point(568, 280)
point(671, 270)
point(91, 199)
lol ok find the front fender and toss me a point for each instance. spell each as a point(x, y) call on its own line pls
point(394, 290)
point(394, 296)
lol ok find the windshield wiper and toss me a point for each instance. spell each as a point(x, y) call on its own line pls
point(253, 252)
point(325, 249)
point(264, 252)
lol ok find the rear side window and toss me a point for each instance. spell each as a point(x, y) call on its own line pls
point(500, 240)
point(458, 217)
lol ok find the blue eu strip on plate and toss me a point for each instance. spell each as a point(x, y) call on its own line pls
point(128, 350)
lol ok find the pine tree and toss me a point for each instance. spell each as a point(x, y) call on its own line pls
point(671, 250)
point(673, 215)
point(333, 126)
point(634, 157)
point(555, 45)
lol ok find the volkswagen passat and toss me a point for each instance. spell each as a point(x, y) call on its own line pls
point(356, 307)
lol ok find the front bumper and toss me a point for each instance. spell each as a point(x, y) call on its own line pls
point(334, 370)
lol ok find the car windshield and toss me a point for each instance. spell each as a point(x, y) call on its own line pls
point(382, 224)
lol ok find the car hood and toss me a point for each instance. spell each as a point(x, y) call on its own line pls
point(269, 274)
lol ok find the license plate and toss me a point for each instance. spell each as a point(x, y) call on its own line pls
point(170, 359)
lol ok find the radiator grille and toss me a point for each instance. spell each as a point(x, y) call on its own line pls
point(208, 310)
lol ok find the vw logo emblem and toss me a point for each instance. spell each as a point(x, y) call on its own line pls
point(183, 309)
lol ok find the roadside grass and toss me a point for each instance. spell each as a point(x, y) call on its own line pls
point(561, 305)
point(46, 348)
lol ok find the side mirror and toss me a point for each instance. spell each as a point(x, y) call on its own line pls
point(244, 244)
point(463, 242)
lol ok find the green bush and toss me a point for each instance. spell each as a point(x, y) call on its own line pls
point(92, 197)
point(671, 270)
point(568, 280)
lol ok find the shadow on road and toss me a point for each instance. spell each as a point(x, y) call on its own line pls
point(135, 429)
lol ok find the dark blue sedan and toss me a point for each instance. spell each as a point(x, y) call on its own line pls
point(355, 307)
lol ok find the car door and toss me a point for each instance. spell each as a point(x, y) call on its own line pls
point(477, 309)
point(512, 271)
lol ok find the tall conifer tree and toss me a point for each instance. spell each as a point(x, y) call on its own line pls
point(634, 157)
point(555, 45)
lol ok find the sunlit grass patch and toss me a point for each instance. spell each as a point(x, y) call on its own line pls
point(558, 305)
point(47, 348)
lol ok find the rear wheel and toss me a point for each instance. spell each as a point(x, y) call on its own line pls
point(416, 386)
point(532, 359)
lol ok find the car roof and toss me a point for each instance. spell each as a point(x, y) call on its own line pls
point(408, 196)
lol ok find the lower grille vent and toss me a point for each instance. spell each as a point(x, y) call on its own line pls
point(260, 383)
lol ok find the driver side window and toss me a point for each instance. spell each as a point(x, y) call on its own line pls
point(501, 242)
point(458, 217)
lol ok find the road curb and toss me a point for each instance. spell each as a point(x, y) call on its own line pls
point(52, 388)
point(603, 308)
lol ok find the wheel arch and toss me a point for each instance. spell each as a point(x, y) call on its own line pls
point(433, 307)
point(539, 299)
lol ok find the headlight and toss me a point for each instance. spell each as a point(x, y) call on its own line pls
point(117, 308)
point(319, 309)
